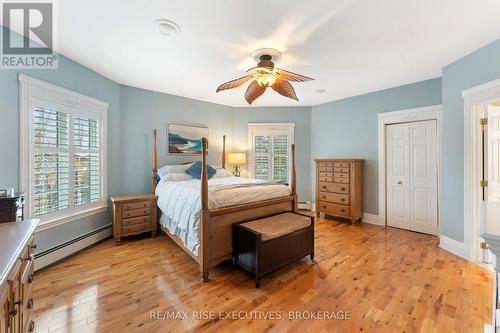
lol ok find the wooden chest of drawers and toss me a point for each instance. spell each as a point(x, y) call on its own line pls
point(134, 214)
point(339, 188)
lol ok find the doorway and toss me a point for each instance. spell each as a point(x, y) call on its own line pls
point(481, 162)
point(411, 176)
point(409, 187)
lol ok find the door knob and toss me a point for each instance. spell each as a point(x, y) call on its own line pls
point(400, 182)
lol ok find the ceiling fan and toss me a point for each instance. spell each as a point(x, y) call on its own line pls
point(266, 75)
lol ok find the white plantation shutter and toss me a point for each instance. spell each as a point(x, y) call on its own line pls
point(271, 145)
point(86, 160)
point(56, 152)
point(63, 152)
point(262, 157)
point(50, 167)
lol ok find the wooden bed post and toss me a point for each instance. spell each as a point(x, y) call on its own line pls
point(154, 167)
point(204, 216)
point(294, 181)
point(224, 151)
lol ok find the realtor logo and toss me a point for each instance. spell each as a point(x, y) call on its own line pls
point(28, 35)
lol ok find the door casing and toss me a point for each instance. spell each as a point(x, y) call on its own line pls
point(403, 116)
point(474, 97)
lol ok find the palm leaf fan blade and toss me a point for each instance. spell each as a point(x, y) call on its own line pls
point(291, 76)
point(234, 83)
point(254, 91)
point(284, 88)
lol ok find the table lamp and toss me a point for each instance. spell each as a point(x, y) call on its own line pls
point(236, 159)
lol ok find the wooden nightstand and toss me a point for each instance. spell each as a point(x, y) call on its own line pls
point(134, 214)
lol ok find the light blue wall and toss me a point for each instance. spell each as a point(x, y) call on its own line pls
point(339, 129)
point(301, 116)
point(143, 110)
point(348, 128)
point(72, 76)
point(474, 69)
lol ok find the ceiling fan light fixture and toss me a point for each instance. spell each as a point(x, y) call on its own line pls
point(264, 76)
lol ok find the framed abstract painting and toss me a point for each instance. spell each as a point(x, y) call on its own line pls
point(185, 139)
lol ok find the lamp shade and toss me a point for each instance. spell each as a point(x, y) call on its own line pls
point(236, 158)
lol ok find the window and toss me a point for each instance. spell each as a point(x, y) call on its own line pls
point(270, 154)
point(63, 159)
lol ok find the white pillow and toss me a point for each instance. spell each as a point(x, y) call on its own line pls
point(222, 173)
point(167, 169)
point(176, 177)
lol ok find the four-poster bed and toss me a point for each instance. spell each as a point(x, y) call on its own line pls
point(215, 225)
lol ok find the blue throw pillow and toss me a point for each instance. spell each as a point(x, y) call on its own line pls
point(195, 170)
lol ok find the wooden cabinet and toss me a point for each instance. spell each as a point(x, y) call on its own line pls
point(4, 303)
point(11, 208)
point(16, 276)
point(134, 214)
point(339, 188)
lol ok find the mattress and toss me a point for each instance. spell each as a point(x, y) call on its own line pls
point(180, 204)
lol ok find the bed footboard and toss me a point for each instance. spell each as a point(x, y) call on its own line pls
point(216, 225)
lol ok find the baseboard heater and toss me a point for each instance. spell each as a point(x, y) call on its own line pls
point(305, 205)
point(71, 247)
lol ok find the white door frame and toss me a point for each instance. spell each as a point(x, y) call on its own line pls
point(404, 116)
point(481, 94)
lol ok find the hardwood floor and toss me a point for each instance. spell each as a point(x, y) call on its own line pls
point(386, 280)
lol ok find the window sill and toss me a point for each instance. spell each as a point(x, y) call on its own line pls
point(65, 219)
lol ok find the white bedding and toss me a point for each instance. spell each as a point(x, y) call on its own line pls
point(180, 202)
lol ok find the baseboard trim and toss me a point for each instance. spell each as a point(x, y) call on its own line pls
point(370, 218)
point(69, 248)
point(453, 246)
point(367, 217)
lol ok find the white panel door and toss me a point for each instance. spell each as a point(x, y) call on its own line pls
point(423, 176)
point(492, 158)
point(398, 176)
point(411, 176)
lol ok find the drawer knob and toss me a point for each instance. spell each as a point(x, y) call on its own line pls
point(324, 197)
point(342, 210)
point(324, 207)
point(342, 199)
point(324, 186)
point(342, 188)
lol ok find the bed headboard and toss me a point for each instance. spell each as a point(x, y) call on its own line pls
point(204, 180)
point(154, 165)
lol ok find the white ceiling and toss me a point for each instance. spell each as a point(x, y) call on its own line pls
point(350, 46)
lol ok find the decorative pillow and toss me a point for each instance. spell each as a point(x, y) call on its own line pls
point(195, 170)
point(222, 173)
point(177, 177)
point(163, 171)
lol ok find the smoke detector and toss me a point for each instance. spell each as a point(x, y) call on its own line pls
point(167, 27)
